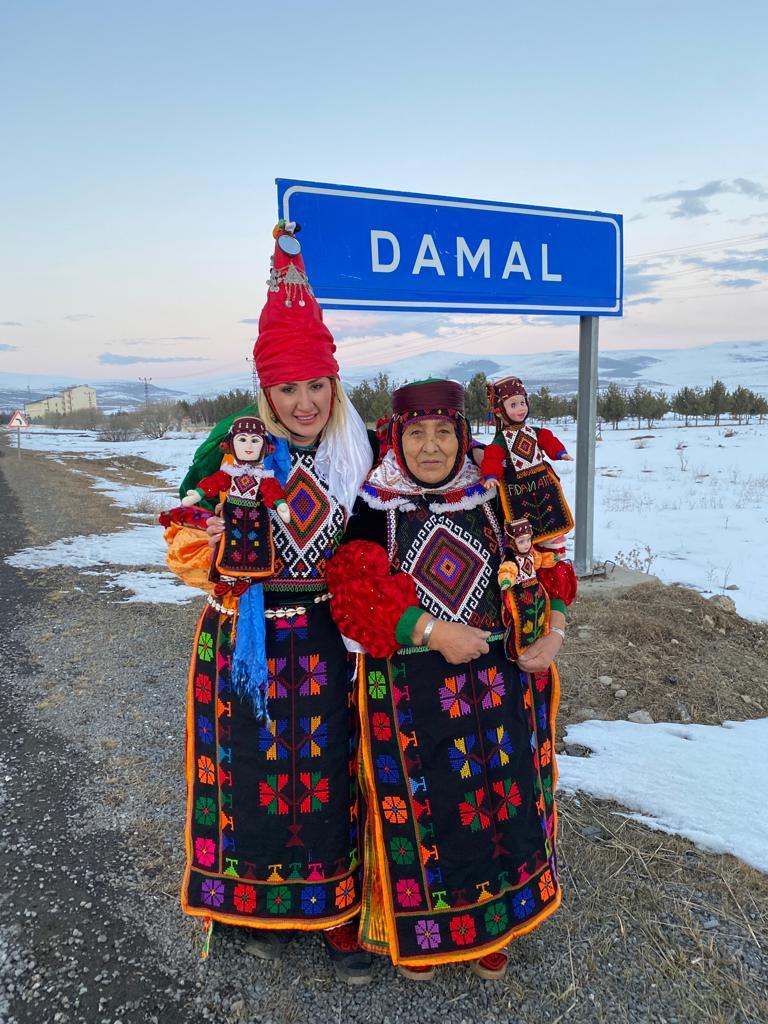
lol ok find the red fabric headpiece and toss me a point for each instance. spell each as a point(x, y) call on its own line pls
point(293, 342)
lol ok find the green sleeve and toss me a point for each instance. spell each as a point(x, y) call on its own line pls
point(556, 605)
point(207, 458)
point(406, 624)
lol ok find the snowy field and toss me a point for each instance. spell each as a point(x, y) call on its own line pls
point(689, 505)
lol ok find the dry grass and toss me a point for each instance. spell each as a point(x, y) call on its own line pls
point(655, 642)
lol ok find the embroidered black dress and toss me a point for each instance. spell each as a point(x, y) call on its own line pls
point(272, 830)
point(457, 760)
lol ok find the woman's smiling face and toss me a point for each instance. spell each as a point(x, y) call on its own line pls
point(430, 447)
point(303, 407)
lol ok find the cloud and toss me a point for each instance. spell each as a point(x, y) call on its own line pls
point(249, 320)
point(638, 216)
point(648, 300)
point(739, 282)
point(9, 348)
point(640, 278)
point(159, 341)
point(690, 202)
point(77, 317)
point(113, 359)
point(734, 261)
point(10, 323)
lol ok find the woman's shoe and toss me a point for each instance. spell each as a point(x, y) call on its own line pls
point(352, 963)
point(416, 973)
point(491, 967)
point(267, 944)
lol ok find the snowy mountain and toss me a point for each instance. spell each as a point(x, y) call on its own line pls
point(734, 363)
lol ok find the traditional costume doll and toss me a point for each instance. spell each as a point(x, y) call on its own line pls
point(246, 548)
point(515, 462)
point(525, 602)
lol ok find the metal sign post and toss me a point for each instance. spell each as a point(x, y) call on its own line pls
point(586, 423)
point(368, 248)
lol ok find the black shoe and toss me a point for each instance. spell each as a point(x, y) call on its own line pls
point(267, 944)
point(352, 963)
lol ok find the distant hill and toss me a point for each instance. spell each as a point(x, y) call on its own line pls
point(732, 362)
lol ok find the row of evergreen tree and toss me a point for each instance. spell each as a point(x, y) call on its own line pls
point(614, 403)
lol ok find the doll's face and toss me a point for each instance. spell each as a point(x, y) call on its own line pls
point(522, 544)
point(247, 447)
point(516, 408)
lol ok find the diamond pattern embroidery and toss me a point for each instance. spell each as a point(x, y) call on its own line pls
point(449, 569)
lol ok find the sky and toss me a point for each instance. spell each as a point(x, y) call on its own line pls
point(141, 142)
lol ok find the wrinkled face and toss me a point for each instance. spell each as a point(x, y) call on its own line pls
point(303, 407)
point(247, 447)
point(430, 447)
point(516, 408)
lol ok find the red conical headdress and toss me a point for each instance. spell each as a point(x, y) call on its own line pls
point(293, 342)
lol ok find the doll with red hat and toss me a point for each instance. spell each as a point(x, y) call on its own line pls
point(525, 601)
point(283, 852)
point(246, 548)
point(516, 462)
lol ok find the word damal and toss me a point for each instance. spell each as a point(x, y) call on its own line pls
point(385, 258)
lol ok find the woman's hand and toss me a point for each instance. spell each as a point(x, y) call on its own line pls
point(540, 655)
point(458, 643)
point(214, 527)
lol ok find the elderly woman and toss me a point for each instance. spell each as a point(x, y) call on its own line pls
point(272, 833)
point(457, 741)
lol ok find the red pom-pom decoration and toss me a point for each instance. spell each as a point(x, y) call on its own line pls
point(559, 582)
point(368, 600)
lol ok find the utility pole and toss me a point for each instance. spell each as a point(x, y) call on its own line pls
point(145, 381)
point(254, 376)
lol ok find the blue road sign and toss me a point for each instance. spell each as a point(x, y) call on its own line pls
point(366, 248)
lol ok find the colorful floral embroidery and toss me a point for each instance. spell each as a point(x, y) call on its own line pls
point(382, 727)
point(402, 850)
point(386, 768)
point(501, 747)
point(408, 892)
point(206, 810)
point(452, 699)
point(204, 729)
point(270, 794)
point(313, 899)
point(316, 736)
point(212, 892)
point(462, 929)
point(377, 685)
point(279, 900)
point(205, 851)
point(316, 676)
point(205, 770)
point(493, 687)
point(345, 893)
point(511, 799)
point(461, 758)
point(203, 689)
point(205, 647)
point(496, 918)
point(428, 933)
point(546, 886)
point(472, 813)
point(394, 809)
point(272, 739)
point(522, 903)
point(245, 898)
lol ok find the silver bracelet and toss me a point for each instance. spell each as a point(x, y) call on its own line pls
point(560, 632)
point(427, 633)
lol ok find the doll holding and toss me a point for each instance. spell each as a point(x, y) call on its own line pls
point(524, 599)
point(246, 549)
point(516, 462)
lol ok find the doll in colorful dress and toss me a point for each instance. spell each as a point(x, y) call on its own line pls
point(246, 548)
point(516, 462)
point(524, 599)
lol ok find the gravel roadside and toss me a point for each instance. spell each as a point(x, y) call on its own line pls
point(91, 812)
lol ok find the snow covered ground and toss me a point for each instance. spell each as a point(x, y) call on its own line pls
point(687, 504)
point(698, 781)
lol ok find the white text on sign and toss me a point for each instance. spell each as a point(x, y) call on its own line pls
point(386, 255)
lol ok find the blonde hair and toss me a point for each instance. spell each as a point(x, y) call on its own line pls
point(337, 421)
